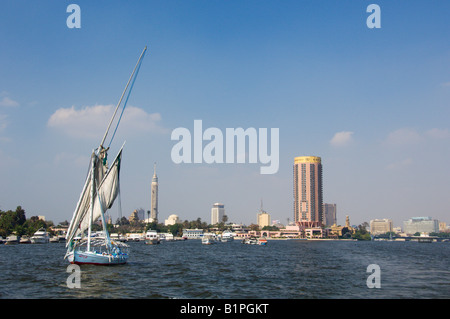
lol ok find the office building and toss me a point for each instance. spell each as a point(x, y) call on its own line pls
point(329, 214)
point(380, 226)
point(308, 191)
point(420, 225)
point(217, 213)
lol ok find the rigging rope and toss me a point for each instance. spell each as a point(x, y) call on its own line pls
point(126, 100)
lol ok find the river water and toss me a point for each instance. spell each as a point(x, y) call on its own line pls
point(288, 269)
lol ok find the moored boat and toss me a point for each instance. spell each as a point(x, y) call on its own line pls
point(25, 240)
point(152, 238)
point(12, 240)
point(227, 236)
point(40, 237)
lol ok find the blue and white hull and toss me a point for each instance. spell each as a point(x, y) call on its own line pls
point(94, 258)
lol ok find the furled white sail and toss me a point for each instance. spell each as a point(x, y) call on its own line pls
point(107, 188)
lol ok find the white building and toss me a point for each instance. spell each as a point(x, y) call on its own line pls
point(172, 220)
point(193, 233)
point(421, 225)
point(217, 213)
point(380, 226)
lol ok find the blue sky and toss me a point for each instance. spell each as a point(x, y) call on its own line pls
point(373, 103)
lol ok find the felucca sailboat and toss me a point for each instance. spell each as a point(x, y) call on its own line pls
point(100, 190)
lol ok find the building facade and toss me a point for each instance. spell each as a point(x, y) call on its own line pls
point(172, 220)
point(380, 226)
point(329, 214)
point(217, 213)
point(263, 219)
point(308, 193)
point(420, 225)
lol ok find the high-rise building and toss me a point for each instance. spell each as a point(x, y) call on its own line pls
point(329, 214)
point(380, 226)
point(308, 191)
point(420, 225)
point(154, 198)
point(263, 218)
point(217, 213)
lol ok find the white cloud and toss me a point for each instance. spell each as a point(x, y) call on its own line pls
point(342, 139)
point(3, 122)
point(8, 102)
point(92, 121)
point(403, 136)
point(438, 133)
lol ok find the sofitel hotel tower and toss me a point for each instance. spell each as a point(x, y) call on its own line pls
point(308, 191)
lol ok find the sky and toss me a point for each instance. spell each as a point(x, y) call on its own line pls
point(373, 103)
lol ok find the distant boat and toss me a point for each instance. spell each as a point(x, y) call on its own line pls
point(208, 240)
point(25, 240)
point(12, 240)
point(100, 190)
point(166, 237)
point(227, 236)
point(262, 241)
point(255, 241)
point(250, 241)
point(152, 238)
point(40, 237)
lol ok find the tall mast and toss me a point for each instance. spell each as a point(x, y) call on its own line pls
point(123, 93)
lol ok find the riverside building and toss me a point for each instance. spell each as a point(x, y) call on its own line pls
point(380, 226)
point(329, 214)
point(308, 196)
point(420, 225)
point(217, 213)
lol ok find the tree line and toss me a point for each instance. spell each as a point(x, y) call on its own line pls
point(15, 221)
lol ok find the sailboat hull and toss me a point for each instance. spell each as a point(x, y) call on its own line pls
point(93, 258)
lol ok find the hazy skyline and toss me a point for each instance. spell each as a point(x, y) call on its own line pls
point(374, 104)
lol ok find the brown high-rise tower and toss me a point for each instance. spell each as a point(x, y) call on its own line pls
point(308, 191)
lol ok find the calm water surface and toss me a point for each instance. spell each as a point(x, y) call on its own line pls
point(282, 269)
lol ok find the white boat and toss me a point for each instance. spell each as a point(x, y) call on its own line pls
point(54, 239)
point(40, 237)
point(152, 237)
point(134, 237)
point(250, 241)
point(208, 240)
point(25, 240)
point(166, 237)
point(12, 240)
point(100, 190)
point(227, 236)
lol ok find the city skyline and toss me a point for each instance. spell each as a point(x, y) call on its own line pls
point(372, 103)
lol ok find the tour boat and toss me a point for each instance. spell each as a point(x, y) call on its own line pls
point(151, 237)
